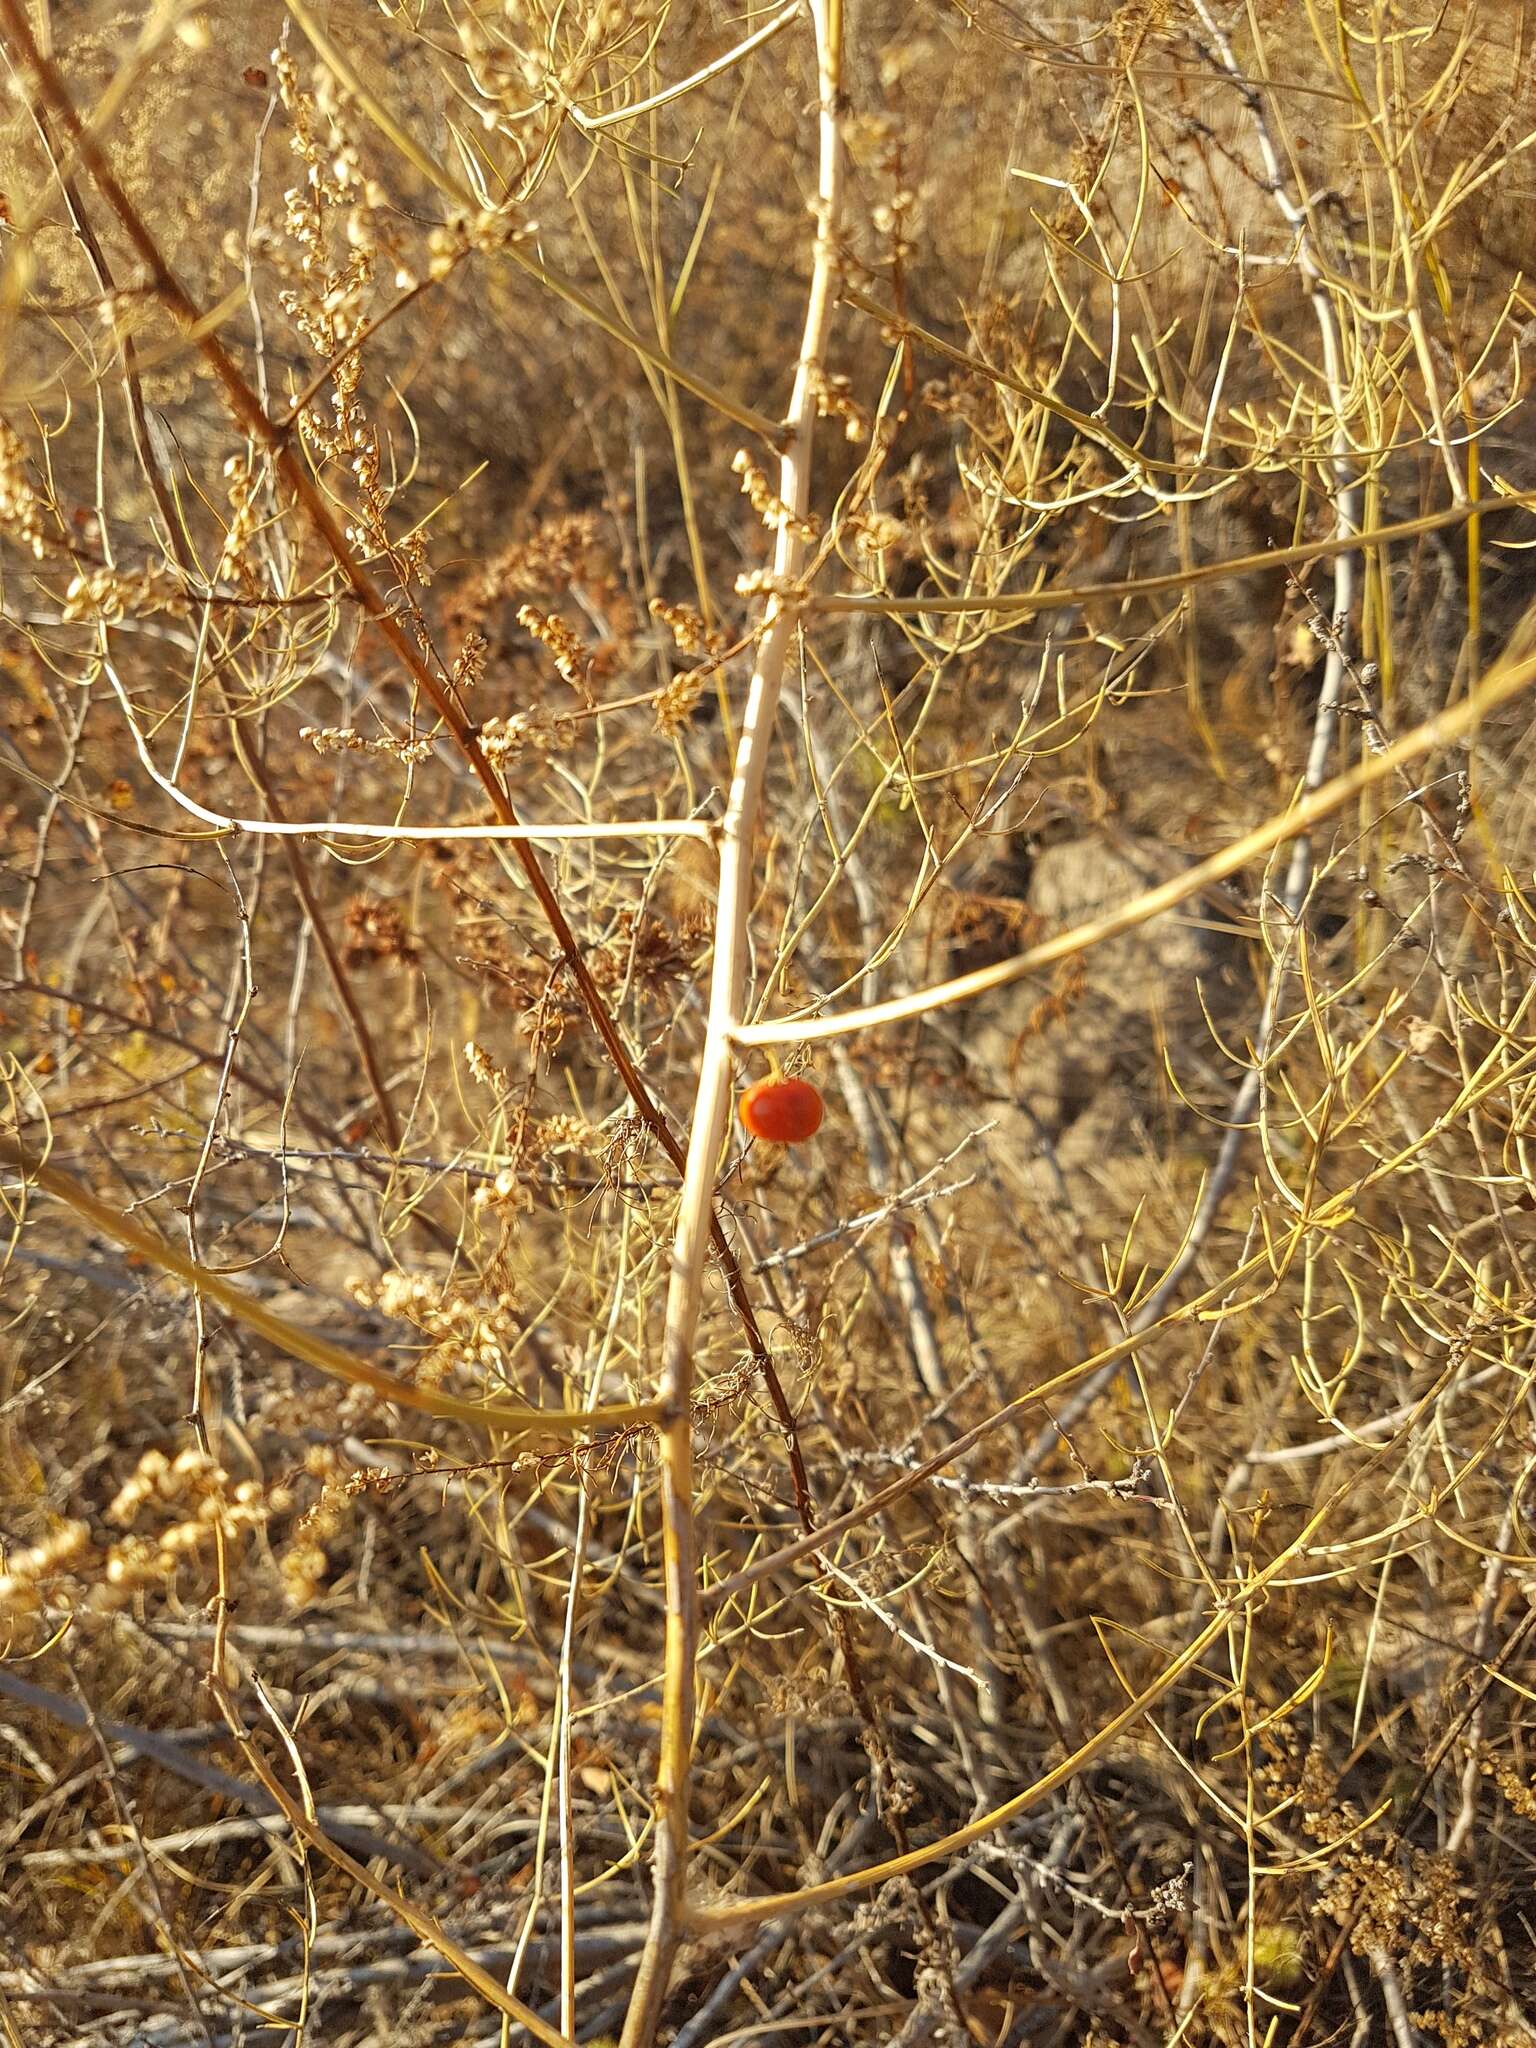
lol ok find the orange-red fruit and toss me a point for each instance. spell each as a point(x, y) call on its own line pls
point(783, 1112)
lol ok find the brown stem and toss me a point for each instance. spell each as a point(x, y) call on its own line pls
point(176, 540)
point(253, 417)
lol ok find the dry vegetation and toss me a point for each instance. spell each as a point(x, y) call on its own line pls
point(555, 557)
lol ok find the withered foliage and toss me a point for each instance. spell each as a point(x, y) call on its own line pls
point(1033, 507)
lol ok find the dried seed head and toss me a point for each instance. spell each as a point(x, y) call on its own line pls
point(768, 506)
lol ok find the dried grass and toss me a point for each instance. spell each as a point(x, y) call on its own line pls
point(553, 557)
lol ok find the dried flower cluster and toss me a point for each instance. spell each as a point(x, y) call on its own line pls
point(378, 934)
point(103, 596)
point(72, 1570)
point(542, 732)
point(571, 657)
point(23, 518)
point(1053, 1562)
point(765, 502)
point(332, 739)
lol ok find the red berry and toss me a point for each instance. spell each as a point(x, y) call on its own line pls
point(782, 1112)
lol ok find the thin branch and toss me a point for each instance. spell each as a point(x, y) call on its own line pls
point(1025, 604)
point(303, 1344)
point(174, 1757)
point(423, 835)
point(712, 1098)
point(1507, 680)
point(593, 124)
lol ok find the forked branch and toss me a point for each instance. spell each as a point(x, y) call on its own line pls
point(712, 1099)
